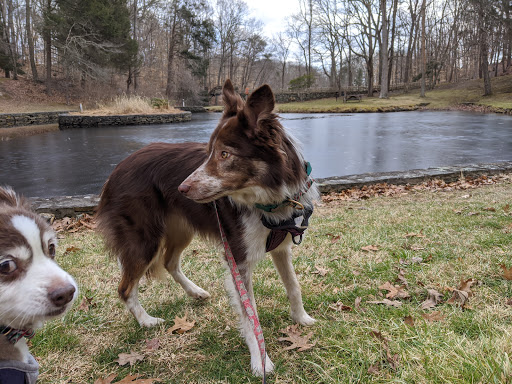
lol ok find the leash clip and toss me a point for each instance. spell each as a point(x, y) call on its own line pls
point(295, 204)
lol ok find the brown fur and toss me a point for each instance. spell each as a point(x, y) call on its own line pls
point(146, 221)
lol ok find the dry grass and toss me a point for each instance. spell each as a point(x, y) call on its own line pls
point(127, 105)
point(464, 234)
point(11, 133)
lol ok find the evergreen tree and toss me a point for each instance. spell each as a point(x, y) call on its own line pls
point(93, 35)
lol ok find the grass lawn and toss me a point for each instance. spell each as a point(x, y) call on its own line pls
point(422, 239)
point(445, 96)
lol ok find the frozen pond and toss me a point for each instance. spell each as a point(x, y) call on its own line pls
point(77, 162)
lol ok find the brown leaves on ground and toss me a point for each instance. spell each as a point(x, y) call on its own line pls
point(462, 294)
point(395, 291)
point(71, 225)
point(507, 272)
point(296, 339)
point(320, 271)
point(387, 302)
point(433, 298)
point(433, 316)
point(132, 358)
point(384, 189)
point(181, 325)
point(86, 303)
point(128, 379)
point(392, 359)
point(340, 307)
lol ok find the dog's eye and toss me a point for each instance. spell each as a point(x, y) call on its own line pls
point(225, 154)
point(7, 267)
point(51, 250)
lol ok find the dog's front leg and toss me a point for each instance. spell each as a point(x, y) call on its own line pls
point(246, 327)
point(282, 257)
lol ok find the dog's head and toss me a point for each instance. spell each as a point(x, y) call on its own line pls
point(250, 156)
point(33, 288)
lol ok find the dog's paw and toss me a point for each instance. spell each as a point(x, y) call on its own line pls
point(199, 294)
point(149, 321)
point(303, 319)
point(257, 369)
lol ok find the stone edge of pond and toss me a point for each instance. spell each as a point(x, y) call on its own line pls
point(67, 121)
point(73, 206)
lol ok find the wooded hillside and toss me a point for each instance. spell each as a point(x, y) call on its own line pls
point(184, 49)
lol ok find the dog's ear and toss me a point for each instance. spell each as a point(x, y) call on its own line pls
point(260, 102)
point(232, 101)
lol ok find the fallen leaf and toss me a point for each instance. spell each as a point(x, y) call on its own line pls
point(370, 248)
point(181, 325)
point(320, 271)
point(490, 209)
point(466, 286)
point(296, 339)
point(132, 358)
point(357, 304)
point(84, 305)
point(506, 208)
point(433, 298)
point(374, 369)
point(507, 272)
point(395, 291)
point(509, 302)
point(387, 302)
point(433, 316)
point(409, 320)
point(153, 344)
point(71, 249)
point(458, 298)
point(402, 279)
point(339, 307)
point(393, 360)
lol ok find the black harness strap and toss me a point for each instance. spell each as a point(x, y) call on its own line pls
point(279, 231)
point(12, 376)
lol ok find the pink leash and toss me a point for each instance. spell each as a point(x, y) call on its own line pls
point(244, 297)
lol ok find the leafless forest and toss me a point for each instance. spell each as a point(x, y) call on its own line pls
point(184, 49)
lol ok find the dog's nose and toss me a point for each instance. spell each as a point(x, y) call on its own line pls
point(63, 295)
point(184, 188)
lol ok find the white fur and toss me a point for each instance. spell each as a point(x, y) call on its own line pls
point(24, 302)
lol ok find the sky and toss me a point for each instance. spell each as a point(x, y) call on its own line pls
point(272, 13)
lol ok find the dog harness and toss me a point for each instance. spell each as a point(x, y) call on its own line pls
point(14, 371)
point(279, 231)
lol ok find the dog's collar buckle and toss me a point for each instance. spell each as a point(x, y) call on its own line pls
point(14, 335)
point(295, 204)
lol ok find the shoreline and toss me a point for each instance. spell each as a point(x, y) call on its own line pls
point(72, 206)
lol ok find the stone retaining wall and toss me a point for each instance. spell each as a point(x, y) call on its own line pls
point(80, 121)
point(76, 205)
point(289, 97)
point(8, 120)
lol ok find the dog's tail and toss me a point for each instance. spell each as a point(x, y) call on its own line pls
point(10, 198)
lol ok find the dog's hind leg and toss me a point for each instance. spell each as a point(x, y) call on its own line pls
point(246, 327)
point(128, 291)
point(178, 237)
point(282, 257)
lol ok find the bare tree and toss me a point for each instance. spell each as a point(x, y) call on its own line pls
point(384, 51)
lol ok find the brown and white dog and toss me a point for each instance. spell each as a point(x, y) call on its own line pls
point(33, 288)
point(155, 201)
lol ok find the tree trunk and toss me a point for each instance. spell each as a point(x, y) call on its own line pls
point(484, 52)
point(423, 50)
point(30, 40)
point(47, 36)
point(384, 52)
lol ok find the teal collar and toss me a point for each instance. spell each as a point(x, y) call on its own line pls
point(292, 202)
